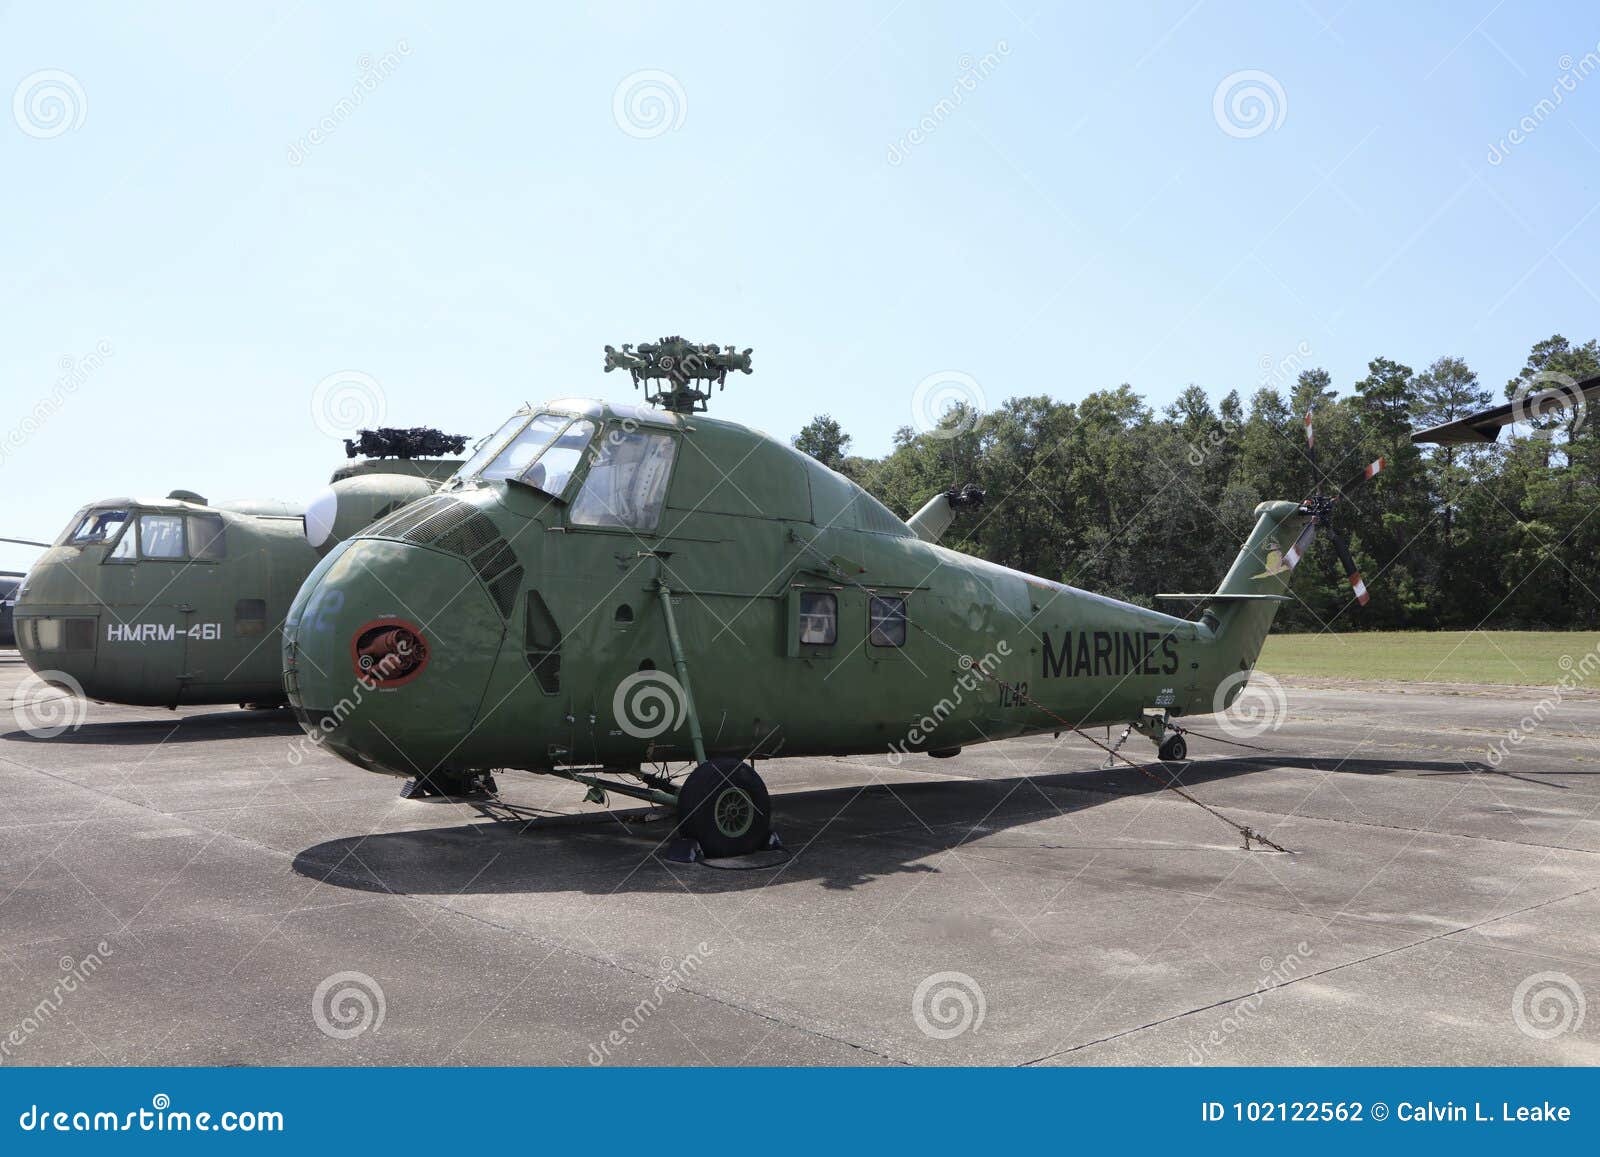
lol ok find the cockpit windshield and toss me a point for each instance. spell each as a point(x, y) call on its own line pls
point(521, 452)
point(98, 526)
point(542, 451)
point(489, 447)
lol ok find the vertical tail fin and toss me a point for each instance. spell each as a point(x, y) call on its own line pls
point(1260, 569)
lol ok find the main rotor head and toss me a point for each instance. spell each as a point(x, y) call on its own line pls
point(678, 366)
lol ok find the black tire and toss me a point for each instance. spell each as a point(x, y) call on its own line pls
point(1174, 749)
point(725, 807)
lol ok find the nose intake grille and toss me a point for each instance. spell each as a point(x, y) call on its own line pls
point(457, 528)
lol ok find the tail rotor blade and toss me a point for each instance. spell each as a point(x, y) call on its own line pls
point(1295, 553)
point(1373, 469)
point(1357, 583)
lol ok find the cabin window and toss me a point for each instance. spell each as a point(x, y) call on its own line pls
point(207, 540)
point(98, 526)
point(127, 548)
point(887, 622)
point(819, 619)
point(553, 469)
point(627, 484)
point(250, 617)
point(161, 535)
point(523, 449)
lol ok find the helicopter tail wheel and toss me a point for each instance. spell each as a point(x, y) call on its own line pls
point(725, 807)
point(1173, 748)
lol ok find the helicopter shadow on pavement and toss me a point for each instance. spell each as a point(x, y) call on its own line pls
point(174, 729)
point(840, 837)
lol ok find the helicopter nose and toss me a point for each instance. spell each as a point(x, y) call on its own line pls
point(388, 649)
point(57, 623)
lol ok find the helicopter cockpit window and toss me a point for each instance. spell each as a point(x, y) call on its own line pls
point(489, 447)
point(529, 443)
point(98, 526)
point(161, 535)
point(207, 540)
point(627, 484)
point(552, 470)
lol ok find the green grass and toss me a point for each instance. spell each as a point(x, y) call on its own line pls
point(1529, 658)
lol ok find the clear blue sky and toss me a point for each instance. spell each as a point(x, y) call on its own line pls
point(475, 230)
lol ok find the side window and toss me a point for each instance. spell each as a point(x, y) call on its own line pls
point(250, 617)
point(127, 548)
point(206, 537)
point(161, 535)
point(627, 482)
point(887, 622)
point(819, 619)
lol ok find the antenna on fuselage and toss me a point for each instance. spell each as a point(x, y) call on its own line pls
point(677, 364)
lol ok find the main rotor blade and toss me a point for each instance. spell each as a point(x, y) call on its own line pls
point(1371, 471)
point(1485, 425)
point(1357, 584)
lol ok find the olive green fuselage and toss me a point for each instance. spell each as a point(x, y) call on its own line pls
point(190, 615)
point(538, 636)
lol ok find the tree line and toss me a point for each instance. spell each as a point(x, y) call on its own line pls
point(1106, 494)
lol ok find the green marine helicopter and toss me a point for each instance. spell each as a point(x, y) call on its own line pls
point(177, 602)
point(604, 591)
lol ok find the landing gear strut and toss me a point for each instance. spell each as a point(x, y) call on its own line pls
point(1158, 728)
point(466, 784)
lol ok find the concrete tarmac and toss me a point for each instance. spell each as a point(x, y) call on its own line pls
point(181, 888)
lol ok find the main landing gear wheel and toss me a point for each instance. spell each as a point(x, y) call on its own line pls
point(725, 807)
point(1173, 748)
